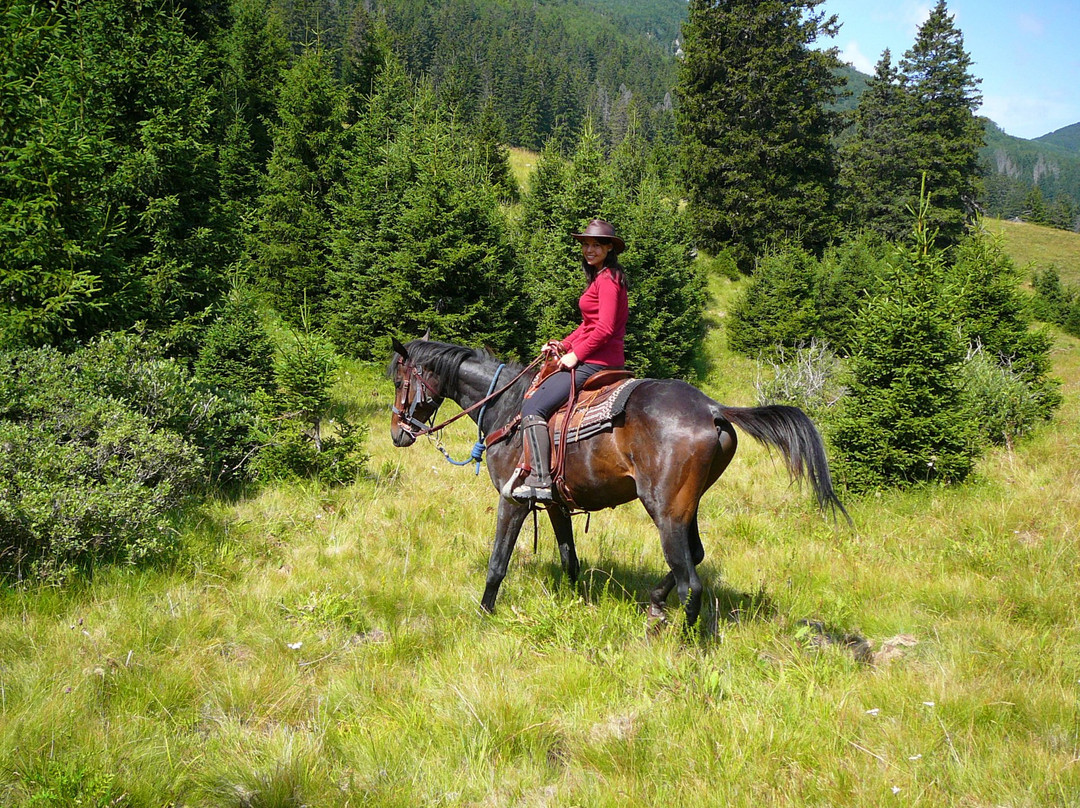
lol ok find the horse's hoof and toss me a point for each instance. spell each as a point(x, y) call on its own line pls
point(657, 619)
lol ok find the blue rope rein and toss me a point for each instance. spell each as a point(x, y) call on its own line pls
point(477, 454)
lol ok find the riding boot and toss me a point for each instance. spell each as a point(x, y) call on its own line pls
point(538, 484)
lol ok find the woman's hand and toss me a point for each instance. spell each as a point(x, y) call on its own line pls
point(569, 360)
point(553, 349)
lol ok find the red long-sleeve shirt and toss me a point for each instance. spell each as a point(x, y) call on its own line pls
point(600, 338)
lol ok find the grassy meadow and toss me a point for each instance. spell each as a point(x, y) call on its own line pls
point(325, 647)
point(1033, 246)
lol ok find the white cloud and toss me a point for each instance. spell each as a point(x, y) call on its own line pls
point(853, 54)
point(1028, 116)
point(916, 14)
point(1030, 24)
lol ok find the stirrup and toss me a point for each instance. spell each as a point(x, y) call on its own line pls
point(528, 493)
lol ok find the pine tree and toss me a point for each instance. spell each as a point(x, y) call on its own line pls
point(943, 133)
point(236, 352)
point(493, 156)
point(564, 195)
point(758, 158)
point(292, 238)
point(906, 419)
point(877, 161)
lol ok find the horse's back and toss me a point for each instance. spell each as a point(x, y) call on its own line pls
point(668, 437)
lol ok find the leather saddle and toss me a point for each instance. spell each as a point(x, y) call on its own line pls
point(596, 406)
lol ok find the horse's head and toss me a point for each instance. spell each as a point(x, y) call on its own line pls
point(416, 397)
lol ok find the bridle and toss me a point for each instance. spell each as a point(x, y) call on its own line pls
point(432, 397)
point(428, 396)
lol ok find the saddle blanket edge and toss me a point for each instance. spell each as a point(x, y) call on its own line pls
point(594, 419)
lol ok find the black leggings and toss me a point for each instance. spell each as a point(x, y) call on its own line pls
point(555, 390)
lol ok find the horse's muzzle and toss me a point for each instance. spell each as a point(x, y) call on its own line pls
point(401, 436)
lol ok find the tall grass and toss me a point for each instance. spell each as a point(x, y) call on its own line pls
point(325, 647)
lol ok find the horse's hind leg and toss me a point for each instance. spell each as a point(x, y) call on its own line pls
point(659, 595)
point(564, 537)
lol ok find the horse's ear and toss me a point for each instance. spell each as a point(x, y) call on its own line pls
point(399, 349)
point(427, 335)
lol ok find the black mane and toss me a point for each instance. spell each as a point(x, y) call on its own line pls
point(445, 359)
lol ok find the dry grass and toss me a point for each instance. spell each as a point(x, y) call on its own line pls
point(325, 647)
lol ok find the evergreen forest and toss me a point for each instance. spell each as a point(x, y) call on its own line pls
point(207, 208)
point(221, 585)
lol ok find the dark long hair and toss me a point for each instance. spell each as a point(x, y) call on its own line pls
point(611, 261)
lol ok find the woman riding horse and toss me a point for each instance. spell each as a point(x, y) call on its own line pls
point(595, 345)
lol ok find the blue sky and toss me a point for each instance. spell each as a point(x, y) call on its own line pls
point(1027, 52)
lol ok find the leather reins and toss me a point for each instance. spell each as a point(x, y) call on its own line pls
point(418, 428)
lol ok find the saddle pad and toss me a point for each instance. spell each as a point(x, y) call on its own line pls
point(595, 411)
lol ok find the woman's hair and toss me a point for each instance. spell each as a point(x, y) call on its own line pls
point(611, 261)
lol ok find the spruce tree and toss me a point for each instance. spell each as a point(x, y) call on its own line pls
point(257, 53)
point(56, 227)
point(666, 290)
point(877, 162)
point(777, 309)
point(993, 316)
point(419, 241)
point(117, 216)
point(906, 419)
point(365, 51)
point(758, 159)
point(292, 238)
point(564, 195)
point(943, 134)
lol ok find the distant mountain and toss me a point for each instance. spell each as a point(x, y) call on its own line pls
point(1067, 138)
point(660, 20)
point(1012, 166)
point(1015, 166)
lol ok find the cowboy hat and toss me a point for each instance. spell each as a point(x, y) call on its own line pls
point(601, 230)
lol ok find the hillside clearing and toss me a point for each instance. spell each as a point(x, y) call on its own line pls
point(325, 647)
point(1032, 246)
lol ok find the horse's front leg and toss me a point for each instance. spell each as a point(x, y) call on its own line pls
point(564, 537)
point(507, 528)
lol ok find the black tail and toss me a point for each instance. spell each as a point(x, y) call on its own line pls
point(794, 434)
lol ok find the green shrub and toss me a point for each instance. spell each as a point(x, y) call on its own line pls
point(83, 476)
point(220, 423)
point(300, 440)
point(1008, 408)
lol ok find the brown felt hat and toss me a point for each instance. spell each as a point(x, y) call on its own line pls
point(599, 229)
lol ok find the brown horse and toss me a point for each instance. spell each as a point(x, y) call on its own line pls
point(673, 443)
